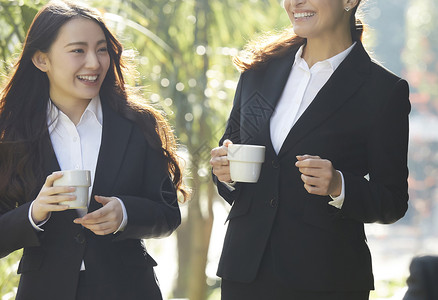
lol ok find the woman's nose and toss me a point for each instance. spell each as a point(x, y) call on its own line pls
point(92, 61)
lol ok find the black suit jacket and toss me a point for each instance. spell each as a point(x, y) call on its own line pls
point(359, 121)
point(128, 168)
point(423, 278)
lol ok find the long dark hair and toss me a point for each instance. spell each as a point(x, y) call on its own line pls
point(267, 47)
point(24, 100)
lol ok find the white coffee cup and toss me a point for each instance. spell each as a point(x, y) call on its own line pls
point(245, 162)
point(81, 180)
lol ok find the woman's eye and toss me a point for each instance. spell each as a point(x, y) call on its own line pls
point(104, 49)
point(78, 51)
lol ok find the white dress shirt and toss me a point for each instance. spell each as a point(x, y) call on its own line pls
point(301, 88)
point(77, 146)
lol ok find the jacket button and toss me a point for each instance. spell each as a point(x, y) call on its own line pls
point(80, 238)
point(273, 202)
point(275, 164)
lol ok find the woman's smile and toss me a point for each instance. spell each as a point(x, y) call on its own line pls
point(303, 16)
point(88, 79)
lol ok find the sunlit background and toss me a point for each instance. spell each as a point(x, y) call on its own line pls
point(182, 49)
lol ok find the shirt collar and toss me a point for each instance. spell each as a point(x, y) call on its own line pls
point(333, 61)
point(94, 109)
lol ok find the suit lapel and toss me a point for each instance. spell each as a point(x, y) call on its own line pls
point(258, 108)
point(275, 78)
point(50, 163)
point(347, 78)
point(115, 137)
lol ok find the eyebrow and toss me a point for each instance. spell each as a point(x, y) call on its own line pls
point(84, 43)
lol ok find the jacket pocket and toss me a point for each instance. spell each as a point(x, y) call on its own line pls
point(135, 255)
point(342, 228)
point(138, 260)
point(242, 203)
point(30, 261)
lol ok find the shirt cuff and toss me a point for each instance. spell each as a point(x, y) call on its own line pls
point(37, 227)
point(230, 185)
point(125, 217)
point(339, 201)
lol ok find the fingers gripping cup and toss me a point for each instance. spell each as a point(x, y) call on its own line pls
point(245, 162)
point(81, 180)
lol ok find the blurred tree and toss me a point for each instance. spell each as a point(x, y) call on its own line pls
point(421, 55)
point(15, 19)
point(385, 20)
point(187, 68)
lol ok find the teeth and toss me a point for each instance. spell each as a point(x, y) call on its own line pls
point(303, 15)
point(88, 78)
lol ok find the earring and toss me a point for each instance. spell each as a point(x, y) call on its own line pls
point(347, 8)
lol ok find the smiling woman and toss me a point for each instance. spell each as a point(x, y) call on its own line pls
point(328, 116)
point(66, 107)
point(76, 66)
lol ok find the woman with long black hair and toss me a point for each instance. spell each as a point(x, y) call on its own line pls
point(66, 107)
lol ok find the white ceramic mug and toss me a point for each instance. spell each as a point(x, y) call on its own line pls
point(245, 162)
point(81, 180)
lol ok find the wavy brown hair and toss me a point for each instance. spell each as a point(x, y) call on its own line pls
point(24, 100)
point(260, 51)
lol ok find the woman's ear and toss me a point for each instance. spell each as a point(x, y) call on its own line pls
point(352, 3)
point(41, 61)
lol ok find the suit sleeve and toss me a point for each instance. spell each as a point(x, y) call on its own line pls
point(16, 232)
point(156, 214)
point(383, 198)
point(232, 133)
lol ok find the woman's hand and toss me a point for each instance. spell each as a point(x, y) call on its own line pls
point(49, 198)
point(319, 176)
point(106, 219)
point(220, 163)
